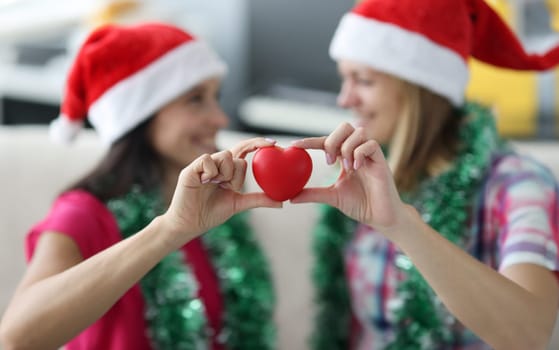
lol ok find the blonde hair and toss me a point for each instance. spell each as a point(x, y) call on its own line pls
point(426, 139)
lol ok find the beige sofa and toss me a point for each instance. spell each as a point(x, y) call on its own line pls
point(33, 171)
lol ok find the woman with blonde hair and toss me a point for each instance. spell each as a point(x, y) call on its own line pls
point(451, 241)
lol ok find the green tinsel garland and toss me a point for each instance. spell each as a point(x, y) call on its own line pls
point(444, 202)
point(245, 282)
point(175, 315)
point(333, 307)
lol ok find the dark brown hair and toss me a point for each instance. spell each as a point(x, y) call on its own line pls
point(131, 160)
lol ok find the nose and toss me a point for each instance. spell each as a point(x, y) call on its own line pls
point(347, 97)
point(218, 117)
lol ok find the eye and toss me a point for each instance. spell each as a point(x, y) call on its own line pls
point(195, 98)
point(364, 81)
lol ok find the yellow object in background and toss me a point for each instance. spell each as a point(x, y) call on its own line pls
point(112, 11)
point(503, 8)
point(553, 6)
point(512, 94)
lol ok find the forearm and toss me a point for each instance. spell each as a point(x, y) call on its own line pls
point(52, 311)
point(501, 312)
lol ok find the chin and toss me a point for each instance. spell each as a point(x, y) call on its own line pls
point(374, 136)
point(186, 162)
point(206, 149)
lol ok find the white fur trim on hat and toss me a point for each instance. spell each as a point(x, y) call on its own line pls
point(134, 99)
point(63, 130)
point(402, 53)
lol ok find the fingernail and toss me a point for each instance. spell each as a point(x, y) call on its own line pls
point(329, 159)
point(356, 165)
point(346, 164)
point(216, 181)
point(270, 140)
point(205, 181)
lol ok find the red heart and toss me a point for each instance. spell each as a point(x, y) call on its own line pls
point(281, 173)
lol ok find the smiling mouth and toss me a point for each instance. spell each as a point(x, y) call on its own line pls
point(363, 122)
point(359, 123)
point(207, 145)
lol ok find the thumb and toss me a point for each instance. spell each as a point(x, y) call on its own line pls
point(246, 201)
point(316, 195)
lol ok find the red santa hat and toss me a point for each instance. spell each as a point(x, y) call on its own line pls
point(123, 74)
point(429, 42)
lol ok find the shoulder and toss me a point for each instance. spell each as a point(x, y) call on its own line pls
point(80, 216)
point(520, 191)
point(513, 163)
point(521, 200)
point(520, 173)
point(79, 208)
point(79, 199)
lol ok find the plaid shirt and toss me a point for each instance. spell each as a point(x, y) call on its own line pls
point(514, 221)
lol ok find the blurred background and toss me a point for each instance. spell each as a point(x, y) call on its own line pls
point(277, 51)
point(281, 82)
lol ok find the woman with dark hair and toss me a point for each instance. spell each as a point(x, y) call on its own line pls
point(451, 241)
point(120, 262)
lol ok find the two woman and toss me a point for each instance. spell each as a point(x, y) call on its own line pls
point(437, 235)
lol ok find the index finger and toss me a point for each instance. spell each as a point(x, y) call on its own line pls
point(243, 148)
point(310, 143)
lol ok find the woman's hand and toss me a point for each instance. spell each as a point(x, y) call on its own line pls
point(365, 189)
point(208, 192)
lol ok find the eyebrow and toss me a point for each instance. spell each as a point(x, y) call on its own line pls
point(196, 89)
